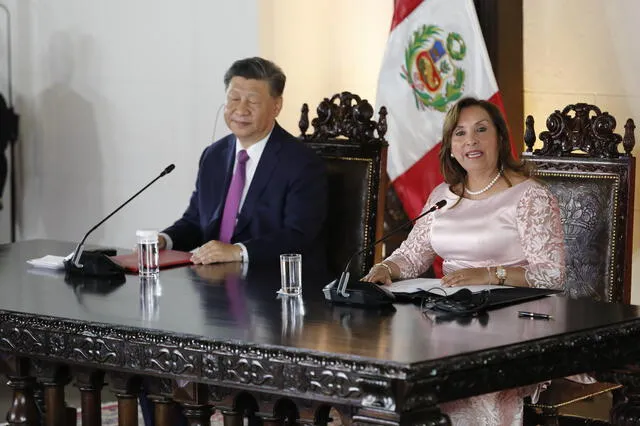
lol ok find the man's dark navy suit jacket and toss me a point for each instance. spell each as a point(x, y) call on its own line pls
point(284, 210)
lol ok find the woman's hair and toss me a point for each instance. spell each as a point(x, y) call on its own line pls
point(452, 171)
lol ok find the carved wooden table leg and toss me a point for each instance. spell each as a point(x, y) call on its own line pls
point(53, 377)
point(55, 406)
point(198, 415)
point(126, 388)
point(127, 410)
point(194, 398)
point(163, 410)
point(23, 409)
point(231, 418)
point(90, 383)
point(271, 421)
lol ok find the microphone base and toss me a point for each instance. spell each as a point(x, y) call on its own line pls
point(361, 294)
point(96, 264)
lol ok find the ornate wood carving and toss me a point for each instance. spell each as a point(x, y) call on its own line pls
point(325, 378)
point(344, 114)
point(346, 137)
point(13, 337)
point(295, 378)
point(597, 196)
point(377, 394)
point(592, 176)
point(629, 139)
point(580, 127)
point(518, 365)
point(104, 351)
point(332, 383)
point(253, 371)
point(173, 360)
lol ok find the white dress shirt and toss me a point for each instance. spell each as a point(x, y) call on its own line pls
point(255, 152)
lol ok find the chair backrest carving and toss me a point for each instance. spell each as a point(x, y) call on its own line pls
point(353, 147)
point(591, 171)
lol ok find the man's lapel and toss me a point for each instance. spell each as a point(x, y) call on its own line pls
point(222, 174)
point(261, 178)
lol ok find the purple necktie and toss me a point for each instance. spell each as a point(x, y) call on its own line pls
point(234, 195)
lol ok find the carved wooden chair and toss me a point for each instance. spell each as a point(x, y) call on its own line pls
point(592, 176)
point(353, 147)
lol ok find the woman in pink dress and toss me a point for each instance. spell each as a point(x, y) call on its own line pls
point(499, 226)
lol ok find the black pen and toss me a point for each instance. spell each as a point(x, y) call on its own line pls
point(533, 315)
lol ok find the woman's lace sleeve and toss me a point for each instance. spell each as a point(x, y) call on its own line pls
point(415, 254)
point(542, 238)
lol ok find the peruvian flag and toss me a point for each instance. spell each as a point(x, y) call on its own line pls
point(435, 55)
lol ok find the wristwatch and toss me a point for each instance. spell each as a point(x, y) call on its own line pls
point(501, 274)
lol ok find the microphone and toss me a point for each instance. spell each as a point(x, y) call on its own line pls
point(365, 293)
point(74, 266)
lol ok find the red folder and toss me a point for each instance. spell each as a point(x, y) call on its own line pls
point(166, 259)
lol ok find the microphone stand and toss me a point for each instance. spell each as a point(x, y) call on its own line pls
point(75, 260)
point(375, 294)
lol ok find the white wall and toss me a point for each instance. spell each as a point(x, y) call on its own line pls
point(324, 47)
point(110, 92)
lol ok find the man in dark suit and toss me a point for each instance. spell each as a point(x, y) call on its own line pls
point(259, 191)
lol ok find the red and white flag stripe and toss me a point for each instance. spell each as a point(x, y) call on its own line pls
point(435, 55)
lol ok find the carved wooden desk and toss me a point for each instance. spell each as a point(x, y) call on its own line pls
point(209, 343)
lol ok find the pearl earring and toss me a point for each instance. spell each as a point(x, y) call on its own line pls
point(452, 156)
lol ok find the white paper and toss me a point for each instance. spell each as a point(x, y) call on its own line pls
point(48, 261)
point(434, 285)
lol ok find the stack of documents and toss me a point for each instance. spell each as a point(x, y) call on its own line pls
point(48, 262)
point(434, 285)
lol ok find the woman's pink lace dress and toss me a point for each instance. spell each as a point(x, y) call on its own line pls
point(519, 226)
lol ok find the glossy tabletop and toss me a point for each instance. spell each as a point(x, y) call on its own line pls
point(211, 303)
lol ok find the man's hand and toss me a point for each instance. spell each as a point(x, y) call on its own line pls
point(216, 251)
point(162, 243)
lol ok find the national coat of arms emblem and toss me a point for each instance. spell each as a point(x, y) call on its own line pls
point(432, 67)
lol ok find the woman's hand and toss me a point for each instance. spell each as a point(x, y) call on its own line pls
point(380, 273)
point(468, 276)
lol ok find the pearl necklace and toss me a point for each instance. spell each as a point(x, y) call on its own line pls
point(486, 188)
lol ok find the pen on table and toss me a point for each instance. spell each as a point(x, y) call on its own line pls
point(534, 315)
